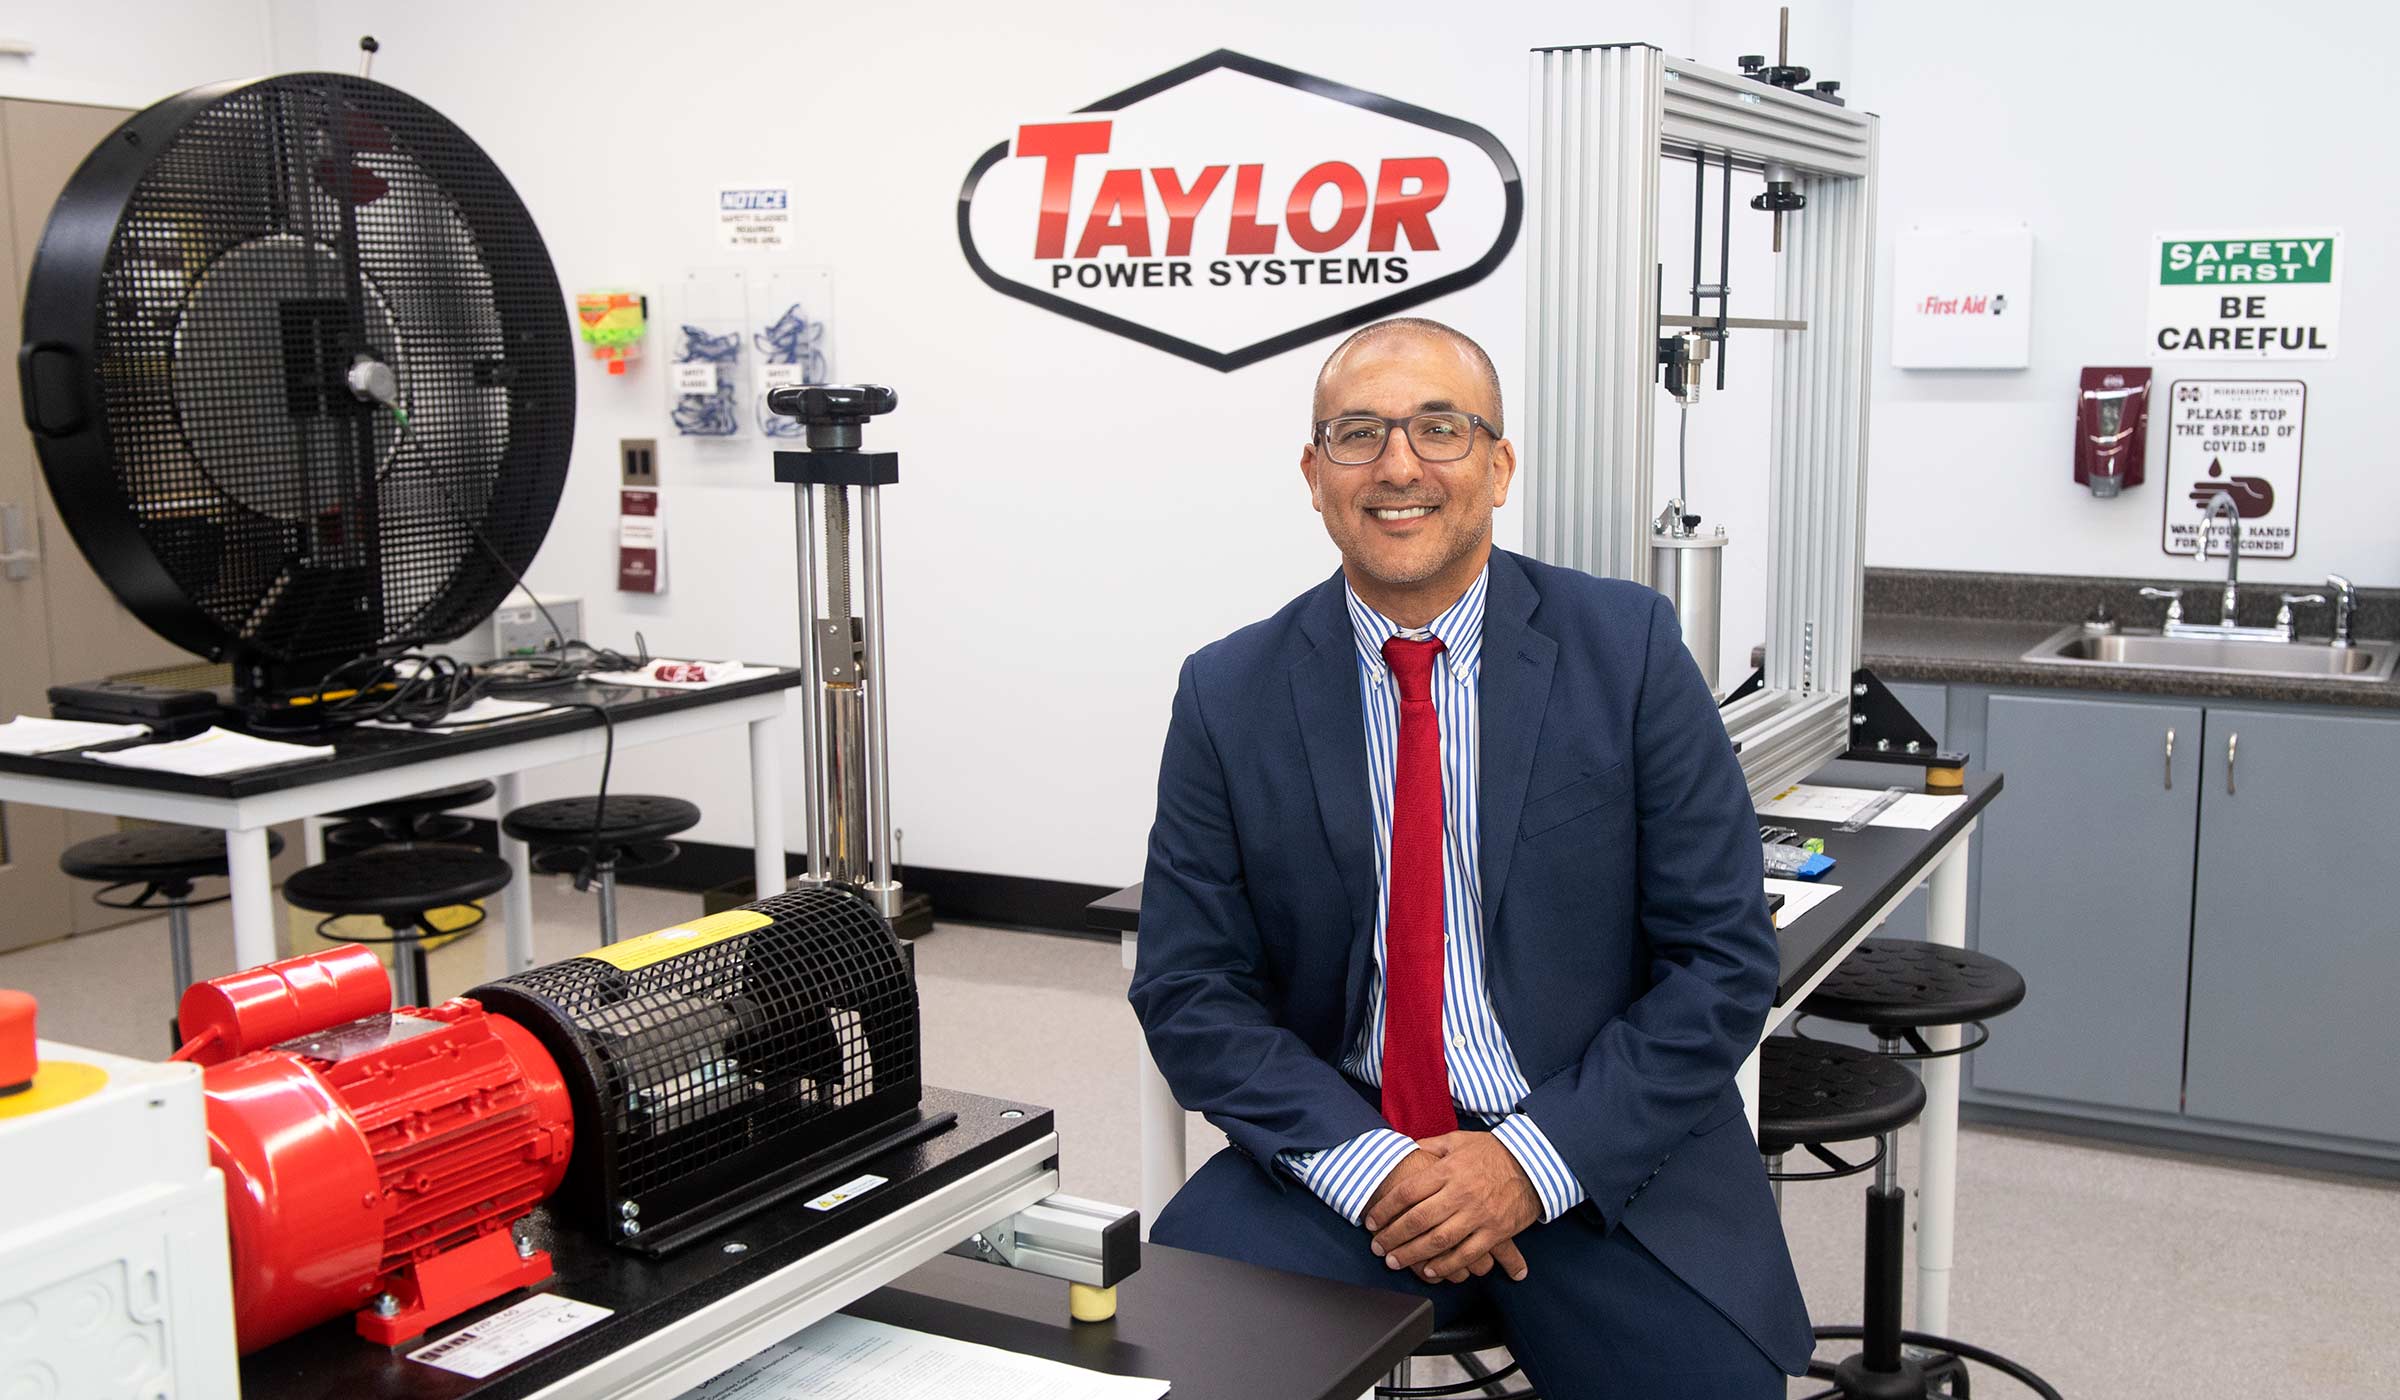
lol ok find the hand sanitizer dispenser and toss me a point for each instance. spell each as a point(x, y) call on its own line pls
point(2112, 417)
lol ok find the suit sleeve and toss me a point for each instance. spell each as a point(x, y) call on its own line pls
point(1199, 982)
point(1653, 1074)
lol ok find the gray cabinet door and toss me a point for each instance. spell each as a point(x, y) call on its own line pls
point(2087, 891)
point(2295, 934)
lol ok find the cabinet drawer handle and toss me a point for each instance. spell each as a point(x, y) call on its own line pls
point(2170, 759)
point(2230, 741)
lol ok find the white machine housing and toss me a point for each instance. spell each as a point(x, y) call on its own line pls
point(1602, 117)
point(114, 1273)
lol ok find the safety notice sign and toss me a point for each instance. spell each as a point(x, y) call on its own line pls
point(2245, 296)
point(2236, 440)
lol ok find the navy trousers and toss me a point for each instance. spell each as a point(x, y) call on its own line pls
point(1597, 1318)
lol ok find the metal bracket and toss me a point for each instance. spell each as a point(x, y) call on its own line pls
point(17, 556)
point(1063, 1237)
point(1883, 731)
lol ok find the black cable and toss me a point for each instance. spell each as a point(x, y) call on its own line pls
point(559, 667)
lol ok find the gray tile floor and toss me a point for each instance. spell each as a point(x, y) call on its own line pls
point(2115, 1273)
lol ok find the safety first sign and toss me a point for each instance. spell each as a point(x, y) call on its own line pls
point(2234, 440)
point(2245, 296)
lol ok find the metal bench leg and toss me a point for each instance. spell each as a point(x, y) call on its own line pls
point(608, 902)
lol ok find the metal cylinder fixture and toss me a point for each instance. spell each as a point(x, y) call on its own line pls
point(1690, 570)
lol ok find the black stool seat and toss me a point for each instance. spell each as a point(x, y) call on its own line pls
point(420, 804)
point(397, 882)
point(1815, 1091)
point(166, 858)
point(632, 818)
point(1904, 982)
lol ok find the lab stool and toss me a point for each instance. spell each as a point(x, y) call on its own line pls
point(401, 885)
point(1476, 1329)
point(164, 861)
point(424, 816)
point(1813, 1092)
point(570, 836)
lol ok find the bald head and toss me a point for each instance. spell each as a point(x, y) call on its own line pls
point(1385, 333)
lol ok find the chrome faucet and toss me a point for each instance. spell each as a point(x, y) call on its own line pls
point(2345, 603)
point(2233, 553)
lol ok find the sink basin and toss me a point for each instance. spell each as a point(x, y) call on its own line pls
point(2072, 646)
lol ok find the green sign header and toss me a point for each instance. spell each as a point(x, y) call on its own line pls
point(2229, 262)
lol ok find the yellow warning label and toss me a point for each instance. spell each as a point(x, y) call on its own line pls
point(636, 953)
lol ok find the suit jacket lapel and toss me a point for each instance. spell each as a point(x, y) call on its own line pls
point(1515, 691)
point(1333, 730)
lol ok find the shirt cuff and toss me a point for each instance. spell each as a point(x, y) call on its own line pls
point(1346, 1177)
point(1557, 1187)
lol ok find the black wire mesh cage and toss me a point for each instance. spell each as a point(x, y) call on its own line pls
point(711, 1061)
point(211, 278)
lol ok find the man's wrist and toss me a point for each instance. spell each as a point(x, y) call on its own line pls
point(1346, 1177)
point(1553, 1182)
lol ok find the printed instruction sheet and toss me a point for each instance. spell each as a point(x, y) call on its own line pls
point(848, 1358)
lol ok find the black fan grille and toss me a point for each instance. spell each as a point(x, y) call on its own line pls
point(286, 229)
point(715, 1066)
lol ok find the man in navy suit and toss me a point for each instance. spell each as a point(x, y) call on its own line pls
point(1453, 922)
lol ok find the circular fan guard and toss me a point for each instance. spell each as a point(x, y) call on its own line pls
point(208, 280)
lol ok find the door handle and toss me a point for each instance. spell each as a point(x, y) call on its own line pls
point(2170, 758)
point(17, 558)
point(2230, 741)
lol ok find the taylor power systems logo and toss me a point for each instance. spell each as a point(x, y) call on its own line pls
point(1232, 209)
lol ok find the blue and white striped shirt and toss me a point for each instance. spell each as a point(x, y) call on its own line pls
point(1485, 1080)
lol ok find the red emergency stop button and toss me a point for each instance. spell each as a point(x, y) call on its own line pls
point(17, 1060)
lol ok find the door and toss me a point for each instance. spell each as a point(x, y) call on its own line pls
point(2295, 933)
point(57, 621)
point(2087, 891)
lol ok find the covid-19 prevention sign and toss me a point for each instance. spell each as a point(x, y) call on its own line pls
point(2245, 295)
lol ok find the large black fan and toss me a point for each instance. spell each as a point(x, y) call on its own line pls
point(218, 275)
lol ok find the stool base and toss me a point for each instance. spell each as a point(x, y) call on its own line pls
point(1947, 1366)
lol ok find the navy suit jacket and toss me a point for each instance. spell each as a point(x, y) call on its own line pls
point(1627, 945)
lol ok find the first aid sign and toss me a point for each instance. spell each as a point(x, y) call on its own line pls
point(2247, 296)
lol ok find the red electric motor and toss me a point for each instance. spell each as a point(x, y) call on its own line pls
point(374, 1159)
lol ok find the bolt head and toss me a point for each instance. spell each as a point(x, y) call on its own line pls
point(1883, 745)
point(1858, 717)
point(736, 1247)
point(524, 1247)
point(386, 1305)
point(1011, 1113)
point(1912, 746)
point(629, 1209)
point(630, 1228)
point(1859, 690)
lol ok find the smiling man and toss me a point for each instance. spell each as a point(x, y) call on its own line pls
point(1453, 922)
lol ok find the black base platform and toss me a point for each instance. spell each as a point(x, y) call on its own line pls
point(644, 1294)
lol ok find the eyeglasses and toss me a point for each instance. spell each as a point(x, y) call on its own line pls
point(1436, 437)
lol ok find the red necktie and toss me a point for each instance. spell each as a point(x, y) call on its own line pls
point(1416, 1073)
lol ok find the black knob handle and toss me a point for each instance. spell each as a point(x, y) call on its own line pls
point(1829, 86)
point(1752, 62)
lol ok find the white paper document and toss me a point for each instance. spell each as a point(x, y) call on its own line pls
point(1799, 896)
point(509, 1335)
point(848, 1358)
point(1818, 803)
point(488, 710)
point(36, 734)
point(1919, 811)
point(211, 753)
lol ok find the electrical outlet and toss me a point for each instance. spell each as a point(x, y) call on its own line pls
point(638, 459)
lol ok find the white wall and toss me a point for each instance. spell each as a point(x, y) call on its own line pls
point(2101, 125)
point(129, 53)
point(1047, 574)
point(1051, 562)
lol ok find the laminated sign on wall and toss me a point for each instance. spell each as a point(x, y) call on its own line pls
point(2245, 296)
point(2235, 438)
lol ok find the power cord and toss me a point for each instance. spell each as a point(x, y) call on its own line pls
point(572, 660)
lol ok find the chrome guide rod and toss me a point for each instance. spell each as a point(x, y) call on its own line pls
point(812, 681)
point(879, 720)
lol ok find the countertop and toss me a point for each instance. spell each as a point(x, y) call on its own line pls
point(1972, 629)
